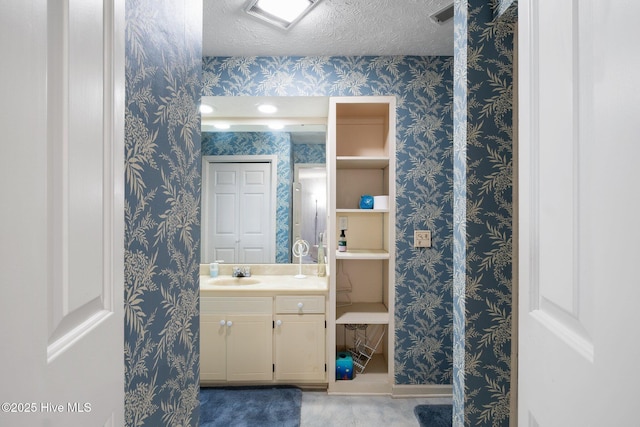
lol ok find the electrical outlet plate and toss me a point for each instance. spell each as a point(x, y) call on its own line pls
point(421, 239)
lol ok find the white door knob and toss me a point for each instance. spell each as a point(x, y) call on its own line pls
point(223, 322)
point(278, 322)
point(300, 305)
point(229, 323)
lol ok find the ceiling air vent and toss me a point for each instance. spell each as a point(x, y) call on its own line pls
point(443, 15)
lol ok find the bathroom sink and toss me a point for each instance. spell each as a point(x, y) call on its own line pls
point(233, 281)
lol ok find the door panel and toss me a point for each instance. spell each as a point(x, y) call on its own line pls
point(213, 348)
point(222, 212)
point(577, 155)
point(249, 348)
point(85, 210)
point(255, 196)
point(63, 234)
point(300, 347)
point(76, 119)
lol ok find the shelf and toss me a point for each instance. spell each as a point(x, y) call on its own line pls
point(363, 254)
point(361, 162)
point(375, 380)
point(363, 313)
point(362, 211)
point(353, 107)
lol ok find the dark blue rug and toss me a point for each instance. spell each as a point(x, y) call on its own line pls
point(434, 415)
point(250, 406)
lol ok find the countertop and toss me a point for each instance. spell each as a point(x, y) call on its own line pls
point(264, 280)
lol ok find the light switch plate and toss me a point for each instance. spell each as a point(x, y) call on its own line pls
point(421, 239)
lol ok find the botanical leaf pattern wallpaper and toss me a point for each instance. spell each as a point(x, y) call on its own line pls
point(309, 153)
point(483, 212)
point(424, 92)
point(454, 165)
point(162, 212)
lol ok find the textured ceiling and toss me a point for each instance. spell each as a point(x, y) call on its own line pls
point(334, 27)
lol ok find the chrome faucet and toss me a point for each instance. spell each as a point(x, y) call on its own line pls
point(244, 271)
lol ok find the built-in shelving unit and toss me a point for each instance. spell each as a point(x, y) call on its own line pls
point(361, 161)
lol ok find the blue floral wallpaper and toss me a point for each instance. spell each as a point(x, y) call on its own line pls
point(424, 92)
point(309, 153)
point(162, 212)
point(255, 143)
point(483, 211)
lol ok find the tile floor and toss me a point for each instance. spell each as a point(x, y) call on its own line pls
point(322, 410)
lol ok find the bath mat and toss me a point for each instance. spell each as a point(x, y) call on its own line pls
point(434, 415)
point(250, 406)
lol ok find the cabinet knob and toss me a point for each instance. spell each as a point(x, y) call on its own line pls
point(223, 322)
point(278, 322)
point(300, 305)
point(229, 323)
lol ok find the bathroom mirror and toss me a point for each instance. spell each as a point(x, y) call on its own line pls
point(236, 139)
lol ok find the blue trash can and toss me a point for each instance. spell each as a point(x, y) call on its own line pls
point(344, 366)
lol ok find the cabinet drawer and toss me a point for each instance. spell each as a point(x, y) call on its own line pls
point(300, 304)
point(221, 305)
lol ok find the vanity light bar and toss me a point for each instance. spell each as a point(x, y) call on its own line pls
point(206, 109)
point(267, 108)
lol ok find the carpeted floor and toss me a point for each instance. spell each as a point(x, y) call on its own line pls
point(250, 406)
point(434, 415)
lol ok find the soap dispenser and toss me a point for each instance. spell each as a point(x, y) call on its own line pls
point(342, 242)
point(214, 268)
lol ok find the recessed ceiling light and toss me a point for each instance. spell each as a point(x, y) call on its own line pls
point(276, 126)
point(222, 125)
point(281, 13)
point(267, 108)
point(206, 109)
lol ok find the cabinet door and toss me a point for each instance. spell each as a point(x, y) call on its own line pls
point(213, 350)
point(249, 347)
point(300, 347)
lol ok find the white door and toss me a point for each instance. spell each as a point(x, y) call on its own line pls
point(61, 221)
point(238, 213)
point(579, 333)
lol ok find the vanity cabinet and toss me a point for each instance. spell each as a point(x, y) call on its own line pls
point(270, 339)
point(236, 342)
point(361, 161)
point(299, 338)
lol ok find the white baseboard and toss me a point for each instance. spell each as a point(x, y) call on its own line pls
point(423, 390)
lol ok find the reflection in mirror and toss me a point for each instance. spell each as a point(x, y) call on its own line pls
point(245, 134)
point(310, 208)
point(238, 196)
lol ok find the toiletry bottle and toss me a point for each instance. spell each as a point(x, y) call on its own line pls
point(342, 242)
point(322, 267)
point(213, 268)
